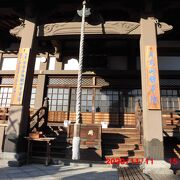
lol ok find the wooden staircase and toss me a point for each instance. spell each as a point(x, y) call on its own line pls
point(171, 133)
point(58, 146)
point(171, 124)
point(121, 143)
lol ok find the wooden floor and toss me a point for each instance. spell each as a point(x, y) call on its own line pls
point(135, 173)
point(164, 177)
point(131, 173)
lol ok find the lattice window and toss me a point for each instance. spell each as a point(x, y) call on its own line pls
point(58, 99)
point(87, 82)
point(62, 81)
point(6, 93)
point(114, 100)
point(7, 80)
point(170, 82)
point(69, 81)
point(86, 100)
point(107, 100)
point(101, 82)
point(170, 99)
point(129, 101)
point(5, 96)
point(35, 80)
point(33, 96)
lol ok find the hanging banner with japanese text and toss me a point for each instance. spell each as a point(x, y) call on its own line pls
point(20, 75)
point(152, 73)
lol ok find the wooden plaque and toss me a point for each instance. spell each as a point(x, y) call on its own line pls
point(152, 76)
point(20, 76)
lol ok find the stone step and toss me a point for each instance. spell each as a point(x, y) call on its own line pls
point(122, 146)
point(172, 134)
point(107, 136)
point(171, 127)
point(171, 130)
point(129, 159)
point(60, 140)
point(54, 145)
point(118, 130)
point(58, 147)
point(121, 141)
point(120, 152)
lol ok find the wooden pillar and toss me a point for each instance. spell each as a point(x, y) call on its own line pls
point(20, 102)
point(131, 55)
point(152, 120)
point(58, 54)
point(1, 59)
point(41, 84)
point(58, 64)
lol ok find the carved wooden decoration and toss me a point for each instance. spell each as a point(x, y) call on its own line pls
point(17, 31)
point(73, 28)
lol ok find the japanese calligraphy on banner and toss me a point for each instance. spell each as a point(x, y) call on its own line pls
point(153, 94)
point(20, 75)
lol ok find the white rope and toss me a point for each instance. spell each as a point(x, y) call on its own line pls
point(76, 139)
point(79, 82)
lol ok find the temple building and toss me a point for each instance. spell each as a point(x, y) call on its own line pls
point(130, 86)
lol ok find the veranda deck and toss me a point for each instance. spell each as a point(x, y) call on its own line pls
point(131, 173)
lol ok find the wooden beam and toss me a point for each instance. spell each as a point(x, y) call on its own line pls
point(73, 28)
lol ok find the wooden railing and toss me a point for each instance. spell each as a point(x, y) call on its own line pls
point(4, 114)
point(139, 119)
point(170, 118)
point(38, 121)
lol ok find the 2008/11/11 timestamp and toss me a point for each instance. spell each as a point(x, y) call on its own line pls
point(173, 161)
point(128, 161)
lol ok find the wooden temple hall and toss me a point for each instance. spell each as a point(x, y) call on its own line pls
point(103, 75)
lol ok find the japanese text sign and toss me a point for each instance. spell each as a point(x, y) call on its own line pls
point(152, 75)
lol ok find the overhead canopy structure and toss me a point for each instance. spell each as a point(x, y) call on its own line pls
point(49, 22)
point(57, 11)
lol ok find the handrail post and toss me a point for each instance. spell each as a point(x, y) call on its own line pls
point(138, 116)
point(46, 102)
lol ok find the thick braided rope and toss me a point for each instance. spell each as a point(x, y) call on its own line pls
point(79, 82)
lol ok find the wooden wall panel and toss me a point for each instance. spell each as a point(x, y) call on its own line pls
point(127, 119)
point(86, 117)
point(116, 119)
point(56, 116)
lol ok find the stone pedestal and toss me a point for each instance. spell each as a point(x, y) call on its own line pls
point(157, 167)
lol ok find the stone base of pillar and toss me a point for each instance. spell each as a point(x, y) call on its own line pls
point(14, 143)
point(76, 148)
point(16, 130)
point(157, 167)
point(13, 159)
point(154, 149)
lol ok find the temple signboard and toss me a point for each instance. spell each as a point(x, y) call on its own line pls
point(20, 75)
point(153, 93)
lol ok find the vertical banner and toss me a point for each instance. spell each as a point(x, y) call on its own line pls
point(20, 75)
point(152, 76)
